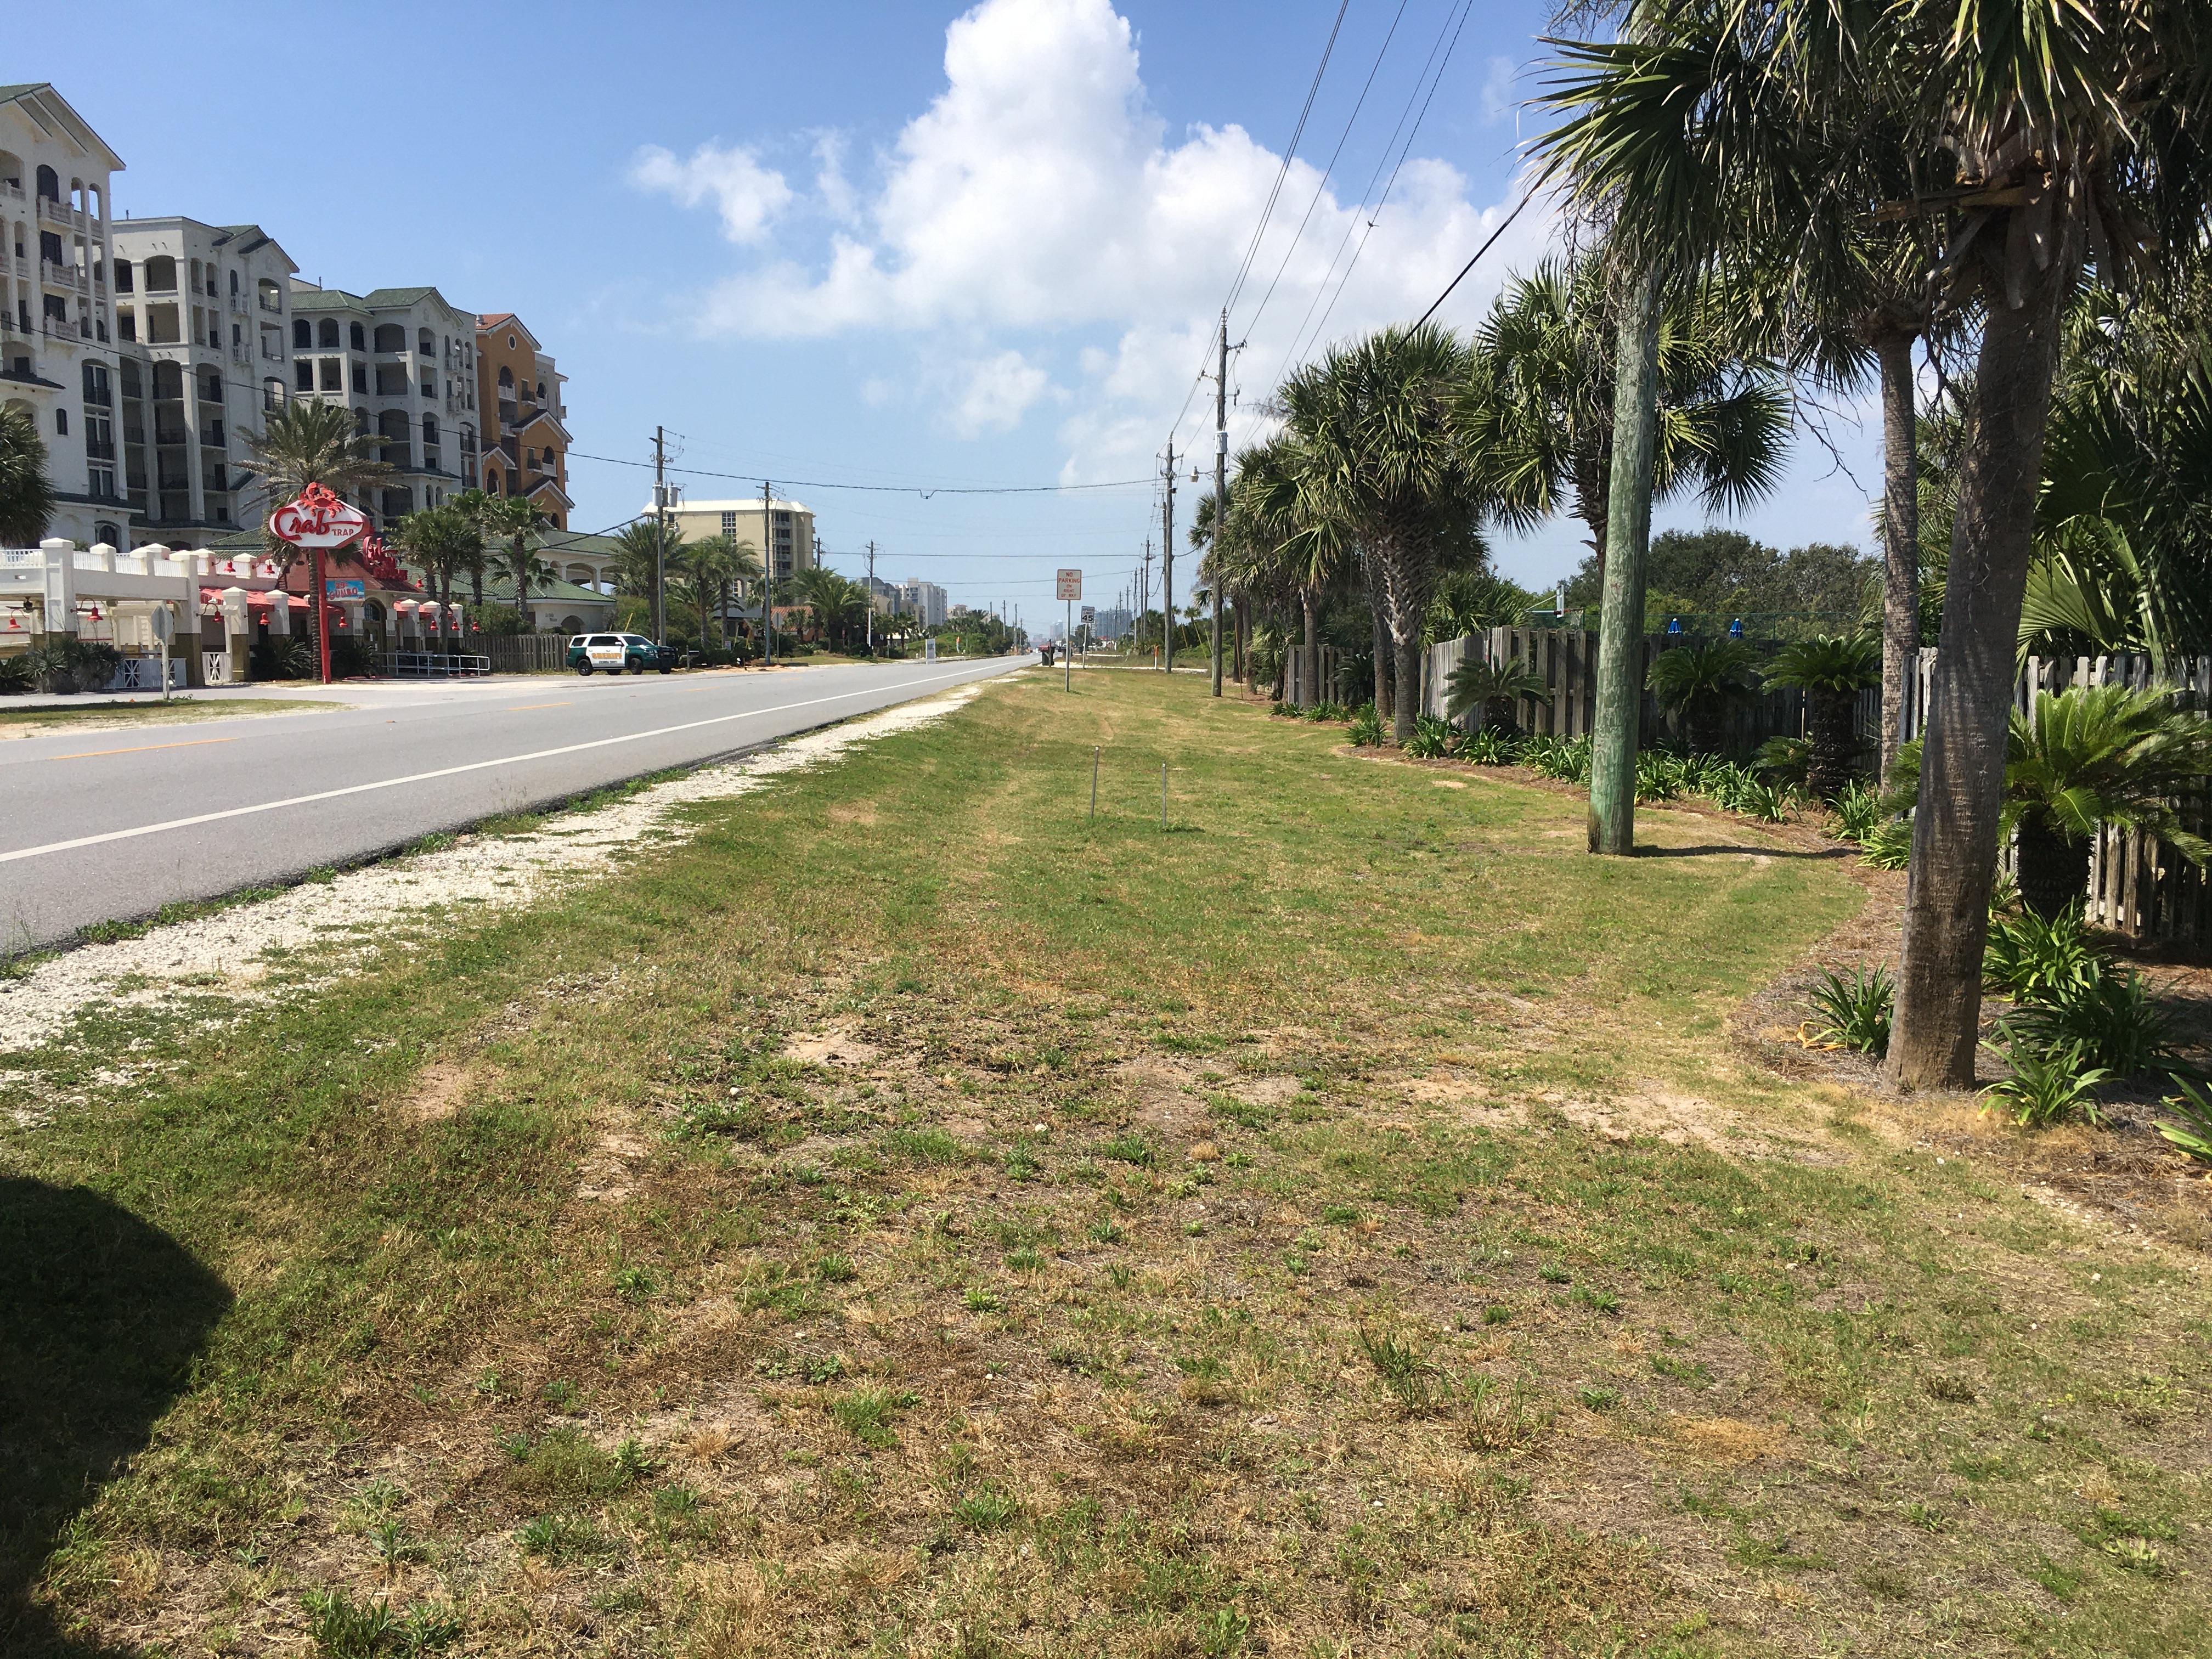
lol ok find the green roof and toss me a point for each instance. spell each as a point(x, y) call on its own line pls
point(377, 299)
point(566, 541)
point(503, 592)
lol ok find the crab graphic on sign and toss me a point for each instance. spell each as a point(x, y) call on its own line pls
point(318, 518)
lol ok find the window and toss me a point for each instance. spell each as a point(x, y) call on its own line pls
point(541, 392)
point(530, 460)
point(390, 337)
point(126, 325)
point(303, 334)
point(360, 377)
point(160, 275)
point(211, 387)
point(550, 458)
point(333, 374)
point(97, 392)
point(426, 344)
point(272, 394)
point(506, 379)
point(510, 346)
point(238, 335)
point(358, 338)
point(106, 531)
point(132, 386)
point(50, 185)
point(122, 275)
point(305, 374)
point(50, 246)
point(429, 385)
point(233, 282)
point(327, 333)
point(729, 523)
point(60, 421)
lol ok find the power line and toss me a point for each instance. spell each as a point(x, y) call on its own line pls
point(1525, 197)
point(1300, 342)
point(885, 489)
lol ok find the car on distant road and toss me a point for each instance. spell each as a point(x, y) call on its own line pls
point(590, 653)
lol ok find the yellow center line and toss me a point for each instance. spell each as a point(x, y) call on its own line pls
point(94, 754)
point(520, 707)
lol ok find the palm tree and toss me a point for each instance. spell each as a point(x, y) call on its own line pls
point(308, 443)
point(1276, 540)
point(1493, 688)
point(445, 541)
point(2040, 136)
point(1703, 683)
point(1379, 455)
point(1543, 407)
point(708, 567)
point(27, 497)
point(516, 521)
point(1832, 672)
point(2093, 757)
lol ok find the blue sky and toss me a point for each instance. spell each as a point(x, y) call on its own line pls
point(904, 244)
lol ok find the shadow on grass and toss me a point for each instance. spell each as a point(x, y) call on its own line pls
point(101, 1316)
point(1728, 850)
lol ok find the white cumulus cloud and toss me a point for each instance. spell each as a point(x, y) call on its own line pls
point(1039, 205)
point(748, 194)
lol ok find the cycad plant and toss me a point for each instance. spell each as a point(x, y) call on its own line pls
point(1832, 672)
point(1493, 688)
point(2097, 756)
point(1703, 683)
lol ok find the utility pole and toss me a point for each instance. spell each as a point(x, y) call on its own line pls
point(659, 530)
point(1145, 591)
point(1220, 487)
point(872, 598)
point(1167, 563)
point(768, 576)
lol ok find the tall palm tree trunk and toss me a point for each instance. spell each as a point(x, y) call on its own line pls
point(1954, 832)
point(1382, 632)
point(1900, 507)
point(1618, 713)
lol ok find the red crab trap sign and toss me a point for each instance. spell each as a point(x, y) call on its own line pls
point(318, 519)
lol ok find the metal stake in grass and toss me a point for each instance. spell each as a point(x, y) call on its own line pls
point(1163, 794)
point(1094, 783)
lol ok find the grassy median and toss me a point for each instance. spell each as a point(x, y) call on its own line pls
point(914, 1217)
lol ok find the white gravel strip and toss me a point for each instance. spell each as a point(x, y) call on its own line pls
point(346, 921)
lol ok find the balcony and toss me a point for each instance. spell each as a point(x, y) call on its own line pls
point(171, 437)
point(72, 276)
point(56, 213)
point(211, 435)
point(240, 352)
point(10, 192)
point(99, 449)
point(61, 328)
point(238, 304)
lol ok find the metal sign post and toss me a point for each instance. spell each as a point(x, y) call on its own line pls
point(1068, 589)
point(316, 520)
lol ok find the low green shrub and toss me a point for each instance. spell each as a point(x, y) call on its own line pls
point(1856, 1011)
point(1786, 759)
point(2046, 1086)
point(2112, 1023)
point(1858, 810)
point(2029, 959)
point(1367, 727)
point(1490, 747)
point(2193, 1105)
point(1431, 739)
point(1888, 846)
point(18, 675)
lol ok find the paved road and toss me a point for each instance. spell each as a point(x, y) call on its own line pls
point(103, 825)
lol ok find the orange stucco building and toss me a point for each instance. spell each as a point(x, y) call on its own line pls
point(525, 451)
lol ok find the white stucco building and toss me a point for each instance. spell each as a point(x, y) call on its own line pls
point(202, 315)
point(404, 361)
point(57, 353)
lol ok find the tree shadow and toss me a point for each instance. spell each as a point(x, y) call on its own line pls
point(1726, 849)
point(101, 1316)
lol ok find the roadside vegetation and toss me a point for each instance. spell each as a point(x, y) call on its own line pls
point(183, 709)
point(911, 1216)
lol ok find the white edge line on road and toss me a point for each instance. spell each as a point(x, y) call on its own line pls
point(424, 777)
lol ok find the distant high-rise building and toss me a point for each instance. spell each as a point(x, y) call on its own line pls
point(923, 601)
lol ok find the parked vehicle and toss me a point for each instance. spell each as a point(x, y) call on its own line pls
point(589, 653)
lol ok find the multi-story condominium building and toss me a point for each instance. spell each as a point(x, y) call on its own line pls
point(884, 595)
point(923, 601)
point(783, 532)
point(203, 335)
point(526, 453)
point(58, 357)
point(404, 361)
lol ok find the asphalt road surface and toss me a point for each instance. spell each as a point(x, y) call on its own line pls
point(100, 826)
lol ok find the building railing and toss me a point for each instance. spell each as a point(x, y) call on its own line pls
point(434, 665)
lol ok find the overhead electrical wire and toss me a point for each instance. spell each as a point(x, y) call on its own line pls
point(1365, 221)
point(925, 491)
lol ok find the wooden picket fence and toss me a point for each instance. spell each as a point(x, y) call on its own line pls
point(523, 653)
point(2137, 886)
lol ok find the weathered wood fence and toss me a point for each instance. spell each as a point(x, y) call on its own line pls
point(2137, 886)
point(523, 653)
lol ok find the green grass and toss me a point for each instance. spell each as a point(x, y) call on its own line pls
point(1312, 1312)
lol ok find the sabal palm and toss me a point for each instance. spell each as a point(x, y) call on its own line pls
point(1378, 455)
point(309, 443)
point(1542, 407)
point(1832, 671)
point(1478, 683)
point(1277, 544)
point(27, 496)
point(707, 568)
point(2040, 134)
